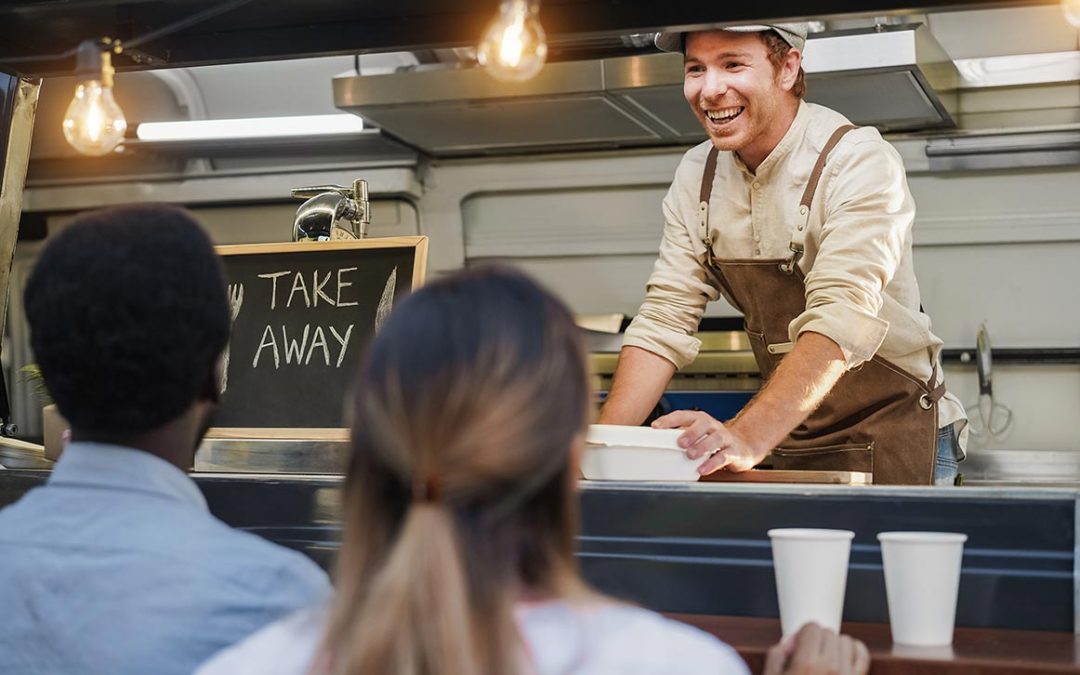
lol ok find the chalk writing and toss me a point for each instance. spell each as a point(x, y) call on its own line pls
point(308, 313)
point(297, 349)
point(312, 295)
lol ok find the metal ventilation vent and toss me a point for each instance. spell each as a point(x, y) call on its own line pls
point(895, 78)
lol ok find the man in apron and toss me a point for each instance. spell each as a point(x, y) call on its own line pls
point(803, 223)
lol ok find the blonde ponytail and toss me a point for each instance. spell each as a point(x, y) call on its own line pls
point(459, 496)
point(417, 617)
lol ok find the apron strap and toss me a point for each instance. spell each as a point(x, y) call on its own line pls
point(798, 237)
point(935, 390)
point(798, 240)
point(703, 200)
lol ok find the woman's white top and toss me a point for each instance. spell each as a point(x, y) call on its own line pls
point(561, 639)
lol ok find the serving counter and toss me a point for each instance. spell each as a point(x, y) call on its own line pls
point(702, 549)
point(974, 651)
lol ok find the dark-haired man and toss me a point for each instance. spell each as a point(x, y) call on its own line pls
point(116, 565)
point(803, 223)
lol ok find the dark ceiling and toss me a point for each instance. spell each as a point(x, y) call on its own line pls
point(275, 29)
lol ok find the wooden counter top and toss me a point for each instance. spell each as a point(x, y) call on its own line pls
point(787, 476)
point(975, 651)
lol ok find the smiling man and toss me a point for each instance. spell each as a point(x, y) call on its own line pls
point(803, 223)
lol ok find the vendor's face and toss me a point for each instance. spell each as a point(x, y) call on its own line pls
point(737, 94)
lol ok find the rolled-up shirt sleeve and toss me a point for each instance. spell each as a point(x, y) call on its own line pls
point(867, 223)
point(676, 293)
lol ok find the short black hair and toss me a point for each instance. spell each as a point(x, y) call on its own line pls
point(128, 315)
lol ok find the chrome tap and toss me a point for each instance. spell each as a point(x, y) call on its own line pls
point(332, 212)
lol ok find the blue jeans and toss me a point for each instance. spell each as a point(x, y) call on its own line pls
point(946, 466)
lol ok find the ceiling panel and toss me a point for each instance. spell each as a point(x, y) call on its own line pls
point(268, 29)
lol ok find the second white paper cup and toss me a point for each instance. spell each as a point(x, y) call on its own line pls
point(811, 575)
point(922, 577)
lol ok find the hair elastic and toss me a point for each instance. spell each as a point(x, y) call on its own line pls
point(427, 489)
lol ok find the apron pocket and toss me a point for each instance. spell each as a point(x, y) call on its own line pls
point(841, 457)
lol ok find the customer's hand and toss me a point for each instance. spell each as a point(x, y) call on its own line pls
point(818, 651)
point(708, 438)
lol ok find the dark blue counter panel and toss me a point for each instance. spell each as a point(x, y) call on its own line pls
point(15, 483)
point(707, 552)
point(704, 549)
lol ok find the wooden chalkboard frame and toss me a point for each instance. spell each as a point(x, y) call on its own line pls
point(419, 244)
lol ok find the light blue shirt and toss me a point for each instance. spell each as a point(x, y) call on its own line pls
point(116, 566)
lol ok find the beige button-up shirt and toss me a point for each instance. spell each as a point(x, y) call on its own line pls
point(861, 290)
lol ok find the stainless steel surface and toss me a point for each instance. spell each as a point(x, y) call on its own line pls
point(722, 352)
point(332, 212)
point(272, 456)
point(385, 181)
point(1032, 468)
point(331, 481)
point(993, 491)
point(1019, 70)
point(987, 417)
point(609, 324)
point(1004, 151)
point(983, 363)
point(896, 78)
point(16, 454)
point(443, 85)
point(725, 363)
point(476, 126)
point(724, 341)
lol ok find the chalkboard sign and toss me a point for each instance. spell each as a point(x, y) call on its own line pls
point(302, 316)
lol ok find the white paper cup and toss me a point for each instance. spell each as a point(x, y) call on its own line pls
point(922, 577)
point(811, 576)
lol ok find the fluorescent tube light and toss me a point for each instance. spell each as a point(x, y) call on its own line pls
point(255, 127)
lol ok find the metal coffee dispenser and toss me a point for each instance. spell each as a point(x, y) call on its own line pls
point(332, 212)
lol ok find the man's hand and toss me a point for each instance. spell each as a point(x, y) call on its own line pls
point(817, 651)
point(797, 387)
point(704, 436)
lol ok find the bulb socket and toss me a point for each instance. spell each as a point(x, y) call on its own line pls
point(94, 62)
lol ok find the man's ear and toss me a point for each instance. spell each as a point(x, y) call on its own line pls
point(789, 70)
point(212, 387)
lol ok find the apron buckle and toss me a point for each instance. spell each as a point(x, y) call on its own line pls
point(788, 266)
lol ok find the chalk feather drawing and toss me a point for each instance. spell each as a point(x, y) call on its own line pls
point(386, 303)
point(236, 299)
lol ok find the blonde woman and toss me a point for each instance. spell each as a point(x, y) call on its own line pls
point(461, 509)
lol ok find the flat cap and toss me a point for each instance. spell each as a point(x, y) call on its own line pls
point(792, 33)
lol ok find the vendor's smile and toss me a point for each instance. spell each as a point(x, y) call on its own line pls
point(722, 116)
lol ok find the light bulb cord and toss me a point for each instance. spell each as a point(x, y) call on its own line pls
point(117, 46)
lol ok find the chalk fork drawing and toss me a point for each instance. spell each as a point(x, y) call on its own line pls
point(236, 299)
point(386, 303)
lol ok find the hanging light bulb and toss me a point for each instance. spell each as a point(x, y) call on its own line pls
point(93, 123)
point(1071, 9)
point(514, 46)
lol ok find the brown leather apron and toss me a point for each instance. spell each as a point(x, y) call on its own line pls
point(878, 418)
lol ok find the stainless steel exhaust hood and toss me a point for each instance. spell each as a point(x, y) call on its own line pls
point(893, 77)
